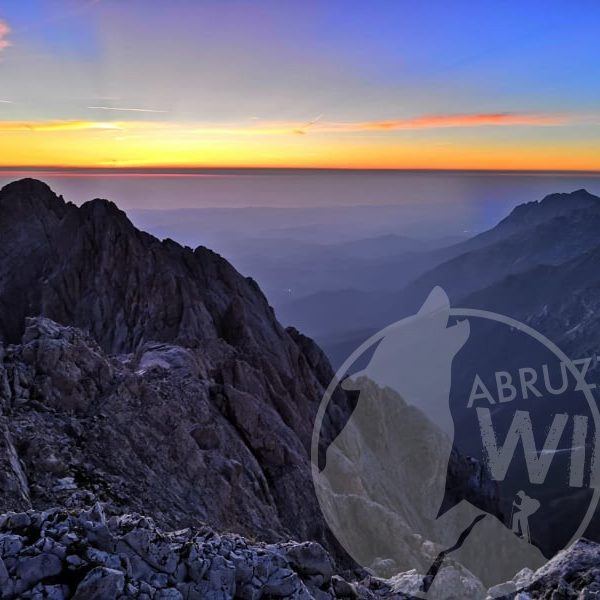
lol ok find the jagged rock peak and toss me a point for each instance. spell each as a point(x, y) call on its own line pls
point(578, 195)
point(90, 267)
point(32, 195)
point(555, 204)
point(102, 208)
point(537, 212)
point(27, 185)
point(153, 377)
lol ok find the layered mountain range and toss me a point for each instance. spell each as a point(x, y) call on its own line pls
point(537, 245)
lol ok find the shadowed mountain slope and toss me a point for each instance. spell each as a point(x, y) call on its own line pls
point(148, 375)
point(549, 233)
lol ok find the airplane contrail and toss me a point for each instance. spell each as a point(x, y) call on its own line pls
point(144, 110)
point(302, 129)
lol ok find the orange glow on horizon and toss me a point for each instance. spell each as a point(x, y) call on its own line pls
point(455, 142)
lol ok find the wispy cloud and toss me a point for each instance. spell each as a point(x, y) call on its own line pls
point(443, 121)
point(319, 125)
point(6, 102)
point(4, 31)
point(57, 125)
point(315, 126)
point(141, 110)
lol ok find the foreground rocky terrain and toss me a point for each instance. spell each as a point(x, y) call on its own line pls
point(87, 555)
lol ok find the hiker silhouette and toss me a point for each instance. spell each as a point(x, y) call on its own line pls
point(384, 480)
point(524, 507)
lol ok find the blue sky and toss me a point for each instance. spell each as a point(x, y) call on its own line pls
point(229, 63)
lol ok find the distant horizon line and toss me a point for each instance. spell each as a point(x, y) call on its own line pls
point(199, 171)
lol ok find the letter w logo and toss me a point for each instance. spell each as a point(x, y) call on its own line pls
point(499, 458)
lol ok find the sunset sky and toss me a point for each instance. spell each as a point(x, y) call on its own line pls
point(348, 84)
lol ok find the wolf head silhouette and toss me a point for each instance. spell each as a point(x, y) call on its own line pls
point(414, 359)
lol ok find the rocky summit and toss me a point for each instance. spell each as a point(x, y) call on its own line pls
point(148, 375)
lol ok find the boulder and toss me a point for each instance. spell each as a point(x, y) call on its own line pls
point(101, 583)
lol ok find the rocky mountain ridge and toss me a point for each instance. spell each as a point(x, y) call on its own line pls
point(156, 378)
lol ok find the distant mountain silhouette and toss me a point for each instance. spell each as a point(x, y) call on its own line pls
point(549, 238)
point(553, 231)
